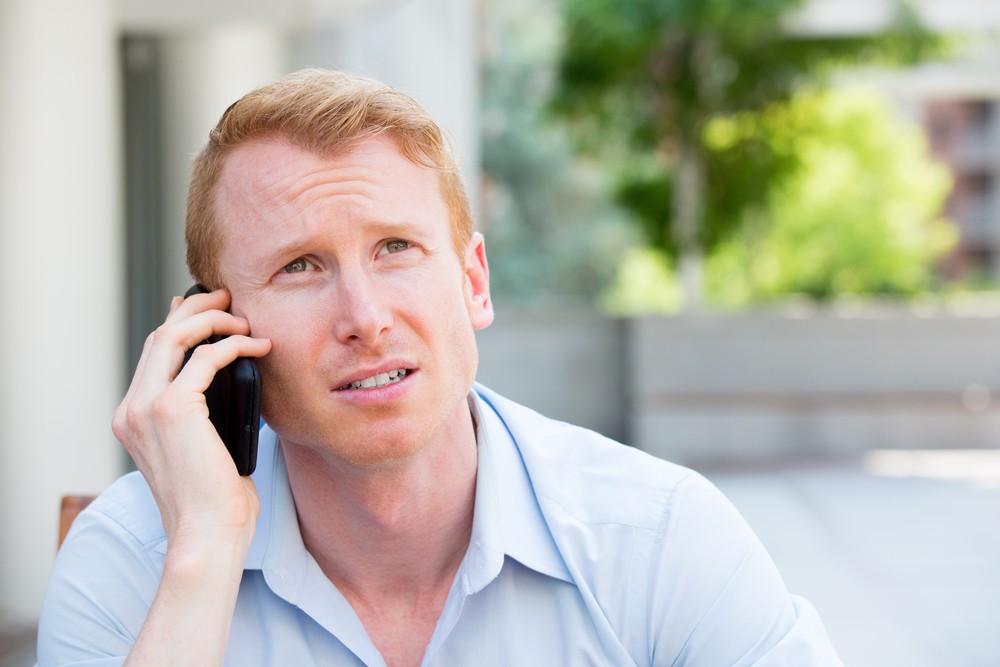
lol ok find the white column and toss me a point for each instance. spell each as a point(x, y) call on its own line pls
point(61, 291)
point(203, 73)
point(429, 50)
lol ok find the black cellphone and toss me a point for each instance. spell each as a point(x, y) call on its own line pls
point(234, 404)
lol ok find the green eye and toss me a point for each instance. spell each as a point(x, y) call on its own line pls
point(298, 266)
point(396, 246)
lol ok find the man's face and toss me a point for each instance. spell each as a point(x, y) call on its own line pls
point(348, 266)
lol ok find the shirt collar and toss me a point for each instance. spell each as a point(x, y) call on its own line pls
point(507, 516)
point(276, 540)
point(507, 519)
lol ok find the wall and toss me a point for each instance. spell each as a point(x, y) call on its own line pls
point(571, 367)
point(757, 388)
point(60, 268)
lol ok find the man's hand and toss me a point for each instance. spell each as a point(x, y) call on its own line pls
point(208, 510)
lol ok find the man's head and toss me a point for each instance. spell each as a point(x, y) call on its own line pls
point(327, 205)
point(326, 113)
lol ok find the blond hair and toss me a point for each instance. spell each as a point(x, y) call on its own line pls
point(324, 112)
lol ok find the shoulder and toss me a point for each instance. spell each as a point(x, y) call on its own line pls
point(672, 565)
point(105, 576)
point(121, 527)
point(606, 502)
point(656, 546)
point(126, 507)
point(593, 478)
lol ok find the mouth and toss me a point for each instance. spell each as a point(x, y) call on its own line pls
point(377, 380)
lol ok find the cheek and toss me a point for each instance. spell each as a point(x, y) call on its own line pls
point(290, 348)
point(456, 333)
point(282, 322)
point(288, 381)
point(442, 309)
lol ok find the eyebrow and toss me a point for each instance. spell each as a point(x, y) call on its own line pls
point(293, 247)
point(387, 228)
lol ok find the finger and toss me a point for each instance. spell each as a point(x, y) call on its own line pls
point(119, 421)
point(172, 340)
point(166, 347)
point(140, 366)
point(174, 304)
point(154, 338)
point(200, 302)
point(207, 360)
point(154, 404)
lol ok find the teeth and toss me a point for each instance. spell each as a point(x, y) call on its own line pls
point(379, 380)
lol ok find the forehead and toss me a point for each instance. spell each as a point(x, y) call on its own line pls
point(273, 194)
point(272, 175)
point(272, 166)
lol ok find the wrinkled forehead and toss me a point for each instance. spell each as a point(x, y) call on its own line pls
point(274, 183)
point(272, 187)
point(258, 166)
point(268, 171)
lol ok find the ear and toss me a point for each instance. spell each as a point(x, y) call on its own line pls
point(477, 283)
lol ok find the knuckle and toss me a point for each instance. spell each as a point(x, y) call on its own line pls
point(201, 351)
point(148, 343)
point(127, 425)
point(133, 419)
point(162, 332)
point(163, 408)
point(119, 422)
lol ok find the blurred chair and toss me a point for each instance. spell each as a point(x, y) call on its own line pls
point(68, 509)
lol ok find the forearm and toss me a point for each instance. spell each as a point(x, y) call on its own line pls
point(207, 510)
point(191, 616)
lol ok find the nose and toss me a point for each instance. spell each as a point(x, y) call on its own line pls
point(361, 312)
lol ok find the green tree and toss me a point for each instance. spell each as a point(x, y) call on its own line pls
point(858, 215)
point(641, 80)
point(553, 233)
point(855, 214)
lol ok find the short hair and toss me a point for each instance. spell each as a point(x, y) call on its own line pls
point(324, 112)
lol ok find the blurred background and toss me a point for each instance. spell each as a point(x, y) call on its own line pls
point(758, 239)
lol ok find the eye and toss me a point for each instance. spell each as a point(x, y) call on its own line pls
point(394, 246)
point(300, 265)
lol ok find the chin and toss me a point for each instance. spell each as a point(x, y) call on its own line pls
point(378, 457)
point(360, 445)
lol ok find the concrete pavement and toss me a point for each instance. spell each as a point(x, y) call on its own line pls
point(900, 552)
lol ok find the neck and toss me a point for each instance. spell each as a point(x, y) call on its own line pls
point(396, 530)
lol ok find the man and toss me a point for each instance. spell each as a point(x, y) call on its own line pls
point(399, 514)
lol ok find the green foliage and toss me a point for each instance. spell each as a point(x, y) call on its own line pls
point(799, 192)
point(742, 156)
point(552, 233)
point(645, 283)
point(854, 212)
point(856, 216)
point(641, 80)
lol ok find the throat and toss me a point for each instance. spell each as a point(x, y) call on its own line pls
point(407, 526)
point(401, 629)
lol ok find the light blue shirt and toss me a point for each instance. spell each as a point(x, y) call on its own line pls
point(583, 552)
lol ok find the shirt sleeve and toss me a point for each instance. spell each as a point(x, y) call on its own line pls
point(101, 588)
point(716, 597)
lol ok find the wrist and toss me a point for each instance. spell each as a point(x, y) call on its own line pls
point(197, 558)
point(213, 527)
point(190, 618)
